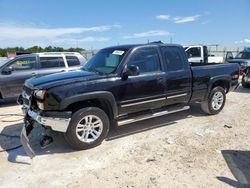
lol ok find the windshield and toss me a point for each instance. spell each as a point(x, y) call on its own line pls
point(105, 61)
point(3, 62)
point(243, 55)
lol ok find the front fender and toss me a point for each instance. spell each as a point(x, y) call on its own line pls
point(108, 96)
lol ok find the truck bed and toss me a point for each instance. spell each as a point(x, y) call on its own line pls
point(204, 73)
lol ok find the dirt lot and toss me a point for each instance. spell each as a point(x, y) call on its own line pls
point(186, 149)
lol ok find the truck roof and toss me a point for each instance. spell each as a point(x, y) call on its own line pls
point(130, 46)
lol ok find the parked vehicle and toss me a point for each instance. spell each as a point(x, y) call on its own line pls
point(120, 85)
point(245, 82)
point(199, 54)
point(14, 71)
point(242, 58)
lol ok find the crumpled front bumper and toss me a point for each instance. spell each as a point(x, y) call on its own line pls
point(57, 121)
point(27, 128)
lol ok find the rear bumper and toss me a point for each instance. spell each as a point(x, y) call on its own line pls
point(234, 85)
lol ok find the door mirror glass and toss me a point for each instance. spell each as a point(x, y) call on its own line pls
point(132, 70)
point(7, 70)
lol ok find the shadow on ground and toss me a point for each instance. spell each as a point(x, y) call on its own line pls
point(241, 89)
point(9, 136)
point(239, 164)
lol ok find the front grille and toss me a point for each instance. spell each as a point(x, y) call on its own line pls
point(27, 90)
point(27, 95)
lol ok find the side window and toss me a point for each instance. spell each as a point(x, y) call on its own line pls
point(25, 63)
point(173, 58)
point(72, 61)
point(51, 62)
point(194, 52)
point(147, 59)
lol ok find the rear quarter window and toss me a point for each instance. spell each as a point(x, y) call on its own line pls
point(72, 61)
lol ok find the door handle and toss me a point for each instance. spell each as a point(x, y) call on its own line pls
point(34, 74)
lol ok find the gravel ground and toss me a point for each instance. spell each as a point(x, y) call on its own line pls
point(186, 149)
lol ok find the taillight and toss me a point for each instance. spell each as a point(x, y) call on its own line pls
point(237, 76)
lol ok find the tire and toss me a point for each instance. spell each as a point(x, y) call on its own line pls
point(244, 84)
point(87, 129)
point(215, 101)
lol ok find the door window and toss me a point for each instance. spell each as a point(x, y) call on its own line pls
point(51, 62)
point(147, 59)
point(72, 61)
point(194, 52)
point(25, 63)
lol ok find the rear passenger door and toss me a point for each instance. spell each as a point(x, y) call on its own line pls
point(178, 77)
point(50, 65)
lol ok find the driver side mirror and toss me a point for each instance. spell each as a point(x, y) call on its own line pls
point(132, 70)
point(7, 70)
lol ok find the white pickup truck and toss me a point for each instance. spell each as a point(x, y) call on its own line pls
point(199, 54)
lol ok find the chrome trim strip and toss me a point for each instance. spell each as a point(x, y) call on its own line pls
point(127, 121)
point(175, 96)
point(143, 102)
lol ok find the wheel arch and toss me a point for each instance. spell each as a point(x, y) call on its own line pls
point(102, 99)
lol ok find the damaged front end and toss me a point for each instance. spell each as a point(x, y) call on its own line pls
point(27, 128)
point(54, 120)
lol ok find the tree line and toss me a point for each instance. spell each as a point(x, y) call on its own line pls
point(36, 49)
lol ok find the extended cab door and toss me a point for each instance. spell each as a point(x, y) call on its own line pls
point(146, 90)
point(178, 76)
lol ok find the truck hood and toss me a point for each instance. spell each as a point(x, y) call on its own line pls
point(57, 79)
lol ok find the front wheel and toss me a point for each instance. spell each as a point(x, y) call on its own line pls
point(215, 101)
point(88, 128)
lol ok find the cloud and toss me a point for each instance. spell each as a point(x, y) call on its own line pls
point(242, 41)
point(152, 33)
point(163, 17)
point(16, 35)
point(247, 40)
point(179, 20)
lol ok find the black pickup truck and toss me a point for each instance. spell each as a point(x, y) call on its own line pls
point(121, 85)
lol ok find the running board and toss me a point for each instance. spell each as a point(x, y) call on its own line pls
point(144, 117)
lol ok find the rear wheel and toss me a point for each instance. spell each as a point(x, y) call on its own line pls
point(244, 84)
point(215, 101)
point(88, 128)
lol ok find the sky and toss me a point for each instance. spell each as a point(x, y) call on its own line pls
point(96, 24)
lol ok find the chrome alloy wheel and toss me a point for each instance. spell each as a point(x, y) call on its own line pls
point(89, 128)
point(217, 100)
